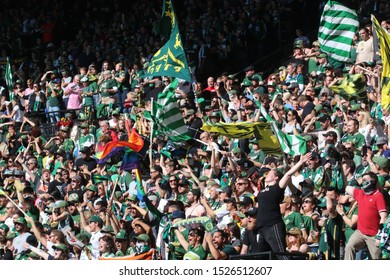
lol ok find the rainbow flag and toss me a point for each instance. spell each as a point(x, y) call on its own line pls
point(140, 188)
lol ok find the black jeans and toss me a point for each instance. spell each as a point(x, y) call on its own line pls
point(275, 237)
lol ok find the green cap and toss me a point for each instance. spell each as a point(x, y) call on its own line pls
point(92, 188)
point(60, 203)
point(107, 229)
point(143, 237)
point(96, 219)
point(355, 107)
point(381, 161)
point(83, 236)
point(61, 247)
point(121, 235)
point(203, 178)
point(4, 227)
point(20, 220)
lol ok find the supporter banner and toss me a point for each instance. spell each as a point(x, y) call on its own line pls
point(167, 116)
point(352, 87)
point(145, 256)
point(384, 46)
point(205, 221)
point(338, 26)
point(260, 130)
point(171, 59)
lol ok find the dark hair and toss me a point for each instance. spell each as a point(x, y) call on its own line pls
point(351, 164)
point(373, 176)
point(110, 242)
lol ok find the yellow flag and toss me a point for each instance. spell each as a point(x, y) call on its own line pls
point(384, 46)
point(243, 130)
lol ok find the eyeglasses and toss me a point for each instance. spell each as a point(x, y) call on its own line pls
point(241, 183)
point(171, 181)
point(192, 234)
point(307, 201)
point(166, 81)
point(289, 114)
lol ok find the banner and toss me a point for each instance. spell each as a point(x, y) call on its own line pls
point(338, 26)
point(171, 59)
point(384, 46)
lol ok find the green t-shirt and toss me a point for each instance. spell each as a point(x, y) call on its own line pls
point(358, 139)
point(106, 85)
point(294, 220)
point(197, 253)
point(176, 251)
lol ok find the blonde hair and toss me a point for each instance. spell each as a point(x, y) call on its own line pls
point(365, 120)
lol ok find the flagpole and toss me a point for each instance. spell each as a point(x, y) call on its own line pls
point(151, 135)
point(13, 202)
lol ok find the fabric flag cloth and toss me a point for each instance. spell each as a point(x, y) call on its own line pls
point(8, 76)
point(140, 188)
point(352, 87)
point(164, 26)
point(338, 26)
point(384, 46)
point(290, 144)
point(130, 160)
point(171, 59)
point(167, 118)
point(260, 130)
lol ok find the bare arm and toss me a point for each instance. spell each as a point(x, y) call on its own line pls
point(181, 239)
point(285, 179)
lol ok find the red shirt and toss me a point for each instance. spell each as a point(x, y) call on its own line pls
point(369, 208)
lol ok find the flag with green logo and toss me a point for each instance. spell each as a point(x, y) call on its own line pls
point(352, 87)
point(8, 76)
point(171, 59)
point(338, 26)
point(167, 118)
point(384, 46)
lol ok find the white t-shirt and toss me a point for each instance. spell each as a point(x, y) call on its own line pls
point(19, 114)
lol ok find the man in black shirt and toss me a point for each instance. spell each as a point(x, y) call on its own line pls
point(86, 160)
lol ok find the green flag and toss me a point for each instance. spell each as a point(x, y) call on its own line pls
point(8, 76)
point(352, 87)
point(290, 144)
point(338, 26)
point(164, 26)
point(171, 59)
point(167, 117)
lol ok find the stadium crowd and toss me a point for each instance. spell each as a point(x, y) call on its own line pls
point(215, 196)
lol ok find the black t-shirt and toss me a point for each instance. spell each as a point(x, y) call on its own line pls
point(91, 163)
point(307, 109)
point(268, 200)
point(55, 190)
